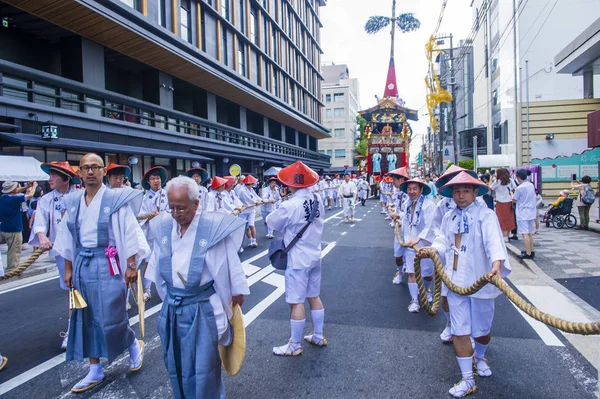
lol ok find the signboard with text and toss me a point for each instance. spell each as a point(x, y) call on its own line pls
point(49, 132)
point(235, 170)
point(562, 168)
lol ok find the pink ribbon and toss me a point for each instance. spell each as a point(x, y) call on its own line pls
point(113, 263)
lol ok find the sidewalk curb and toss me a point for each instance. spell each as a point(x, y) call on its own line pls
point(588, 309)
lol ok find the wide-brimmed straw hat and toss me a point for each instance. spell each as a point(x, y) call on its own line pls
point(63, 168)
point(464, 179)
point(233, 355)
point(450, 173)
point(114, 168)
point(159, 169)
point(418, 180)
point(298, 175)
point(400, 172)
point(249, 179)
point(202, 172)
point(217, 182)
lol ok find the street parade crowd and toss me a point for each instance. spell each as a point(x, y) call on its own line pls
point(186, 234)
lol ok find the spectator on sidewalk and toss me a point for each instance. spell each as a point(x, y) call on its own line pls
point(487, 197)
point(502, 189)
point(585, 199)
point(525, 198)
point(11, 225)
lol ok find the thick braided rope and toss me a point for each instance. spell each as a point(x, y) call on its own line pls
point(243, 208)
point(147, 216)
point(592, 328)
point(23, 266)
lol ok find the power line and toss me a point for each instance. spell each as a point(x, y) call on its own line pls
point(440, 17)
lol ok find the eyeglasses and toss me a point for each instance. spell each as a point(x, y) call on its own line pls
point(177, 210)
point(93, 168)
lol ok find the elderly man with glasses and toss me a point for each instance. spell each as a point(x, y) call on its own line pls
point(198, 274)
point(102, 245)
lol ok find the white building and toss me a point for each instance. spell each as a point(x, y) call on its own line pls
point(341, 98)
point(501, 50)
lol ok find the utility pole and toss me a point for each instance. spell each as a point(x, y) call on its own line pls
point(453, 105)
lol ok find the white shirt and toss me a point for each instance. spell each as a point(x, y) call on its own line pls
point(270, 195)
point(214, 205)
point(221, 265)
point(346, 189)
point(422, 229)
point(526, 201)
point(248, 197)
point(479, 248)
point(123, 232)
point(502, 193)
point(289, 219)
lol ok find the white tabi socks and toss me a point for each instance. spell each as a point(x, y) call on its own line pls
point(427, 283)
point(294, 346)
point(93, 377)
point(317, 337)
point(483, 369)
point(136, 355)
point(467, 384)
point(413, 288)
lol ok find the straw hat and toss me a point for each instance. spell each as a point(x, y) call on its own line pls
point(202, 172)
point(298, 175)
point(462, 179)
point(418, 180)
point(63, 168)
point(452, 171)
point(9, 186)
point(233, 355)
point(400, 172)
point(160, 169)
point(249, 179)
point(217, 182)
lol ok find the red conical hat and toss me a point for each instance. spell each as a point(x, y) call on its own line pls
point(217, 182)
point(230, 181)
point(465, 179)
point(418, 180)
point(113, 166)
point(452, 171)
point(298, 175)
point(249, 179)
point(62, 167)
point(400, 172)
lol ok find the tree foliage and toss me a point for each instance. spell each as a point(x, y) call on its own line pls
point(361, 146)
point(404, 22)
point(376, 23)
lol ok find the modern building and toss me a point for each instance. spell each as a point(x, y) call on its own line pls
point(341, 96)
point(163, 82)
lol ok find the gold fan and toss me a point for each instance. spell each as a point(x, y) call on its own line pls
point(233, 355)
point(76, 301)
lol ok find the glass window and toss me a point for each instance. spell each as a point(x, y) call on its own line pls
point(14, 90)
point(241, 58)
point(202, 30)
point(340, 153)
point(225, 9)
point(266, 35)
point(328, 113)
point(36, 152)
point(70, 105)
point(112, 110)
point(275, 47)
point(339, 133)
point(242, 15)
point(45, 95)
point(135, 4)
point(55, 155)
point(267, 76)
point(338, 97)
point(186, 31)
point(327, 98)
point(159, 121)
point(329, 152)
point(162, 17)
point(225, 58)
point(275, 82)
point(338, 112)
point(93, 106)
point(172, 125)
point(254, 27)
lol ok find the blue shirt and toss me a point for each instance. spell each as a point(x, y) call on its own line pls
point(10, 213)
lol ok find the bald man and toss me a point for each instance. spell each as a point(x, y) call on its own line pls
point(102, 245)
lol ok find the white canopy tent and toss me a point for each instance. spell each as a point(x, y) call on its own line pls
point(22, 169)
point(495, 161)
point(272, 171)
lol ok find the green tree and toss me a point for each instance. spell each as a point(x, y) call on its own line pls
point(468, 164)
point(361, 146)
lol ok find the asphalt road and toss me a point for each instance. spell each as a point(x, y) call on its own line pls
point(376, 348)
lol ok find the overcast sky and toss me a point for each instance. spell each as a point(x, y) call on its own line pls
point(344, 41)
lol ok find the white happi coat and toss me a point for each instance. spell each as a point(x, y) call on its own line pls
point(446, 205)
point(268, 195)
point(479, 248)
point(48, 216)
point(124, 233)
point(212, 202)
point(153, 201)
point(202, 195)
point(423, 228)
point(290, 218)
point(248, 197)
point(221, 265)
point(363, 189)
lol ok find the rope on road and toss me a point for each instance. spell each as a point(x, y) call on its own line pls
point(592, 328)
point(23, 266)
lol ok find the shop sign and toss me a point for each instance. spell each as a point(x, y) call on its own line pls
point(235, 170)
point(49, 132)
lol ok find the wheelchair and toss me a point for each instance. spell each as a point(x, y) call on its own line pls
point(561, 216)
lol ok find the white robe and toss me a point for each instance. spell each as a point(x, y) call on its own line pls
point(221, 264)
point(212, 202)
point(124, 233)
point(268, 195)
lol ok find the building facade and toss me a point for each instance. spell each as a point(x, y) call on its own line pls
point(163, 82)
point(341, 97)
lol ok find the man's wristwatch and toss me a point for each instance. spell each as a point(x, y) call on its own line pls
point(132, 266)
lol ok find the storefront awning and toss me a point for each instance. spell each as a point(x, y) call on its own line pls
point(83, 145)
point(495, 161)
point(22, 169)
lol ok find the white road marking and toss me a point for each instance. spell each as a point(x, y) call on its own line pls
point(28, 285)
point(260, 275)
point(256, 311)
point(541, 329)
point(333, 216)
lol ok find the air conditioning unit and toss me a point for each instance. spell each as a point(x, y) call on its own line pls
point(451, 80)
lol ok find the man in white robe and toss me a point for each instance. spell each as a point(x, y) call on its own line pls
point(268, 194)
point(200, 176)
point(363, 190)
point(416, 227)
point(250, 199)
point(347, 193)
point(216, 197)
point(155, 201)
point(49, 214)
point(399, 176)
point(471, 237)
point(198, 274)
point(102, 245)
point(303, 272)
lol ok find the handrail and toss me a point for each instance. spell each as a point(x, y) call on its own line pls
point(128, 109)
